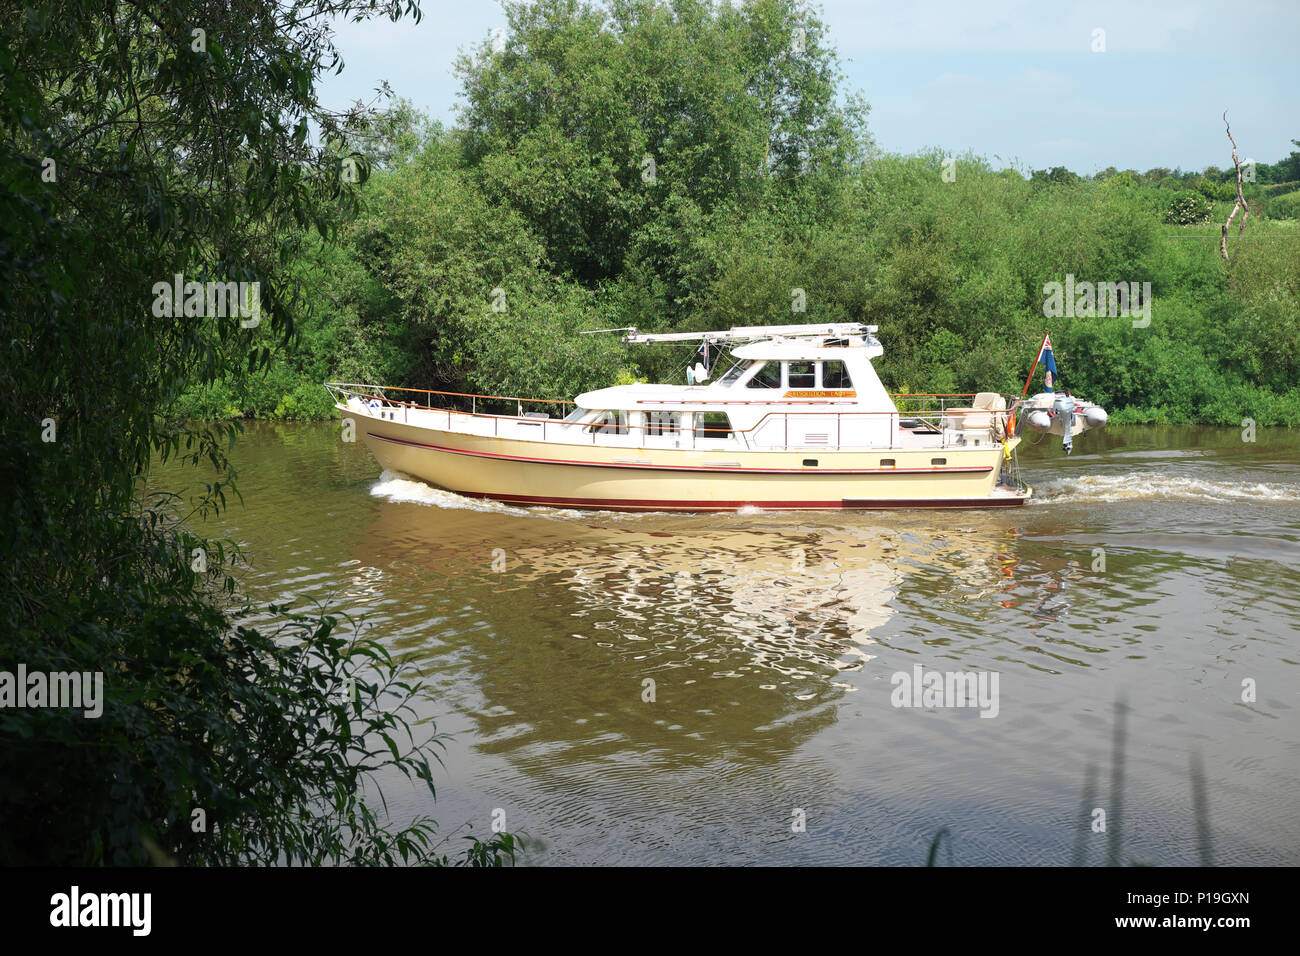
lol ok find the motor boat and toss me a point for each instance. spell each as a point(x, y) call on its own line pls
point(800, 420)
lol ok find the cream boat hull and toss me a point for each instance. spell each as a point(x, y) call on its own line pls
point(673, 479)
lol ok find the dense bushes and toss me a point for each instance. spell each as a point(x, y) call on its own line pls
point(1285, 206)
point(953, 272)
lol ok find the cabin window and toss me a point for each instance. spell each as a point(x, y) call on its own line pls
point(887, 463)
point(769, 376)
point(577, 415)
point(938, 461)
point(835, 375)
point(802, 375)
point(609, 423)
point(664, 423)
point(712, 425)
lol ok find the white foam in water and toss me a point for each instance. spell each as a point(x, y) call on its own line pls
point(1145, 485)
point(392, 486)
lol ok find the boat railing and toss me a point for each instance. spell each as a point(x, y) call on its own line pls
point(342, 391)
point(932, 420)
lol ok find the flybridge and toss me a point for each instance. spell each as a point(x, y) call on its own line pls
point(776, 342)
point(806, 341)
point(750, 333)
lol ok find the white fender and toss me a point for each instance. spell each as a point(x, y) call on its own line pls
point(1095, 416)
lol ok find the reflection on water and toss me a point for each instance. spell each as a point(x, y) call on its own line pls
point(668, 688)
point(795, 599)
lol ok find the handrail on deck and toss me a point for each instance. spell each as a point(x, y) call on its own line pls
point(933, 418)
point(434, 391)
point(547, 401)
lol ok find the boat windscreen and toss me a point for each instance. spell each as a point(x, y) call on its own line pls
point(733, 373)
point(576, 415)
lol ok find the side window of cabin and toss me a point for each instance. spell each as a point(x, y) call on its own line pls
point(712, 425)
point(663, 423)
point(769, 376)
point(802, 375)
point(835, 375)
point(609, 423)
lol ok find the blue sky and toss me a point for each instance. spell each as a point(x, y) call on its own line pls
point(1012, 79)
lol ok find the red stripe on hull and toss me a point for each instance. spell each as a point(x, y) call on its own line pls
point(853, 504)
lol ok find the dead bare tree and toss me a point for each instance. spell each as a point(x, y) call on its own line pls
point(1241, 200)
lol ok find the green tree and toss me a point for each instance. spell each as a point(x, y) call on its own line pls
point(1288, 170)
point(1058, 175)
point(613, 129)
point(143, 140)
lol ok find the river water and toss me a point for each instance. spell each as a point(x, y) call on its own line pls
point(1141, 615)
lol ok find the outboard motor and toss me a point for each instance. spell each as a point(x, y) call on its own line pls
point(1063, 408)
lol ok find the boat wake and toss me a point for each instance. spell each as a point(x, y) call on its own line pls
point(1143, 485)
point(393, 486)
